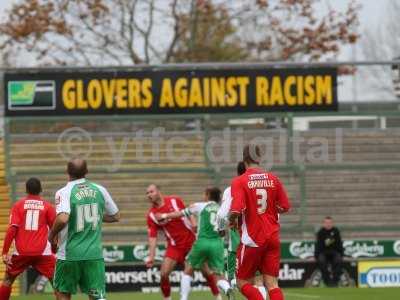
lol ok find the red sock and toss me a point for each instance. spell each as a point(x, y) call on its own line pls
point(251, 292)
point(165, 287)
point(212, 284)
point(5, 292)
point(275, 294)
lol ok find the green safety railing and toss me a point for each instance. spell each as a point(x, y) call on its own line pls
point(299, 170)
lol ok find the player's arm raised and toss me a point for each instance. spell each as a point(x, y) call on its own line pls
point(283, 204)
point(188, 212)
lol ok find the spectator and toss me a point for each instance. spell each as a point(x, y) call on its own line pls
point(329, 252)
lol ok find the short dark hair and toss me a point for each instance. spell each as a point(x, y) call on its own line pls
point(214, 194)
point(252, 154)
point(328, 218)
point(33, 186)
point(241, 168)
point(77, 168)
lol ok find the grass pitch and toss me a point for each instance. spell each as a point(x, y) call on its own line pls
point(290, 294)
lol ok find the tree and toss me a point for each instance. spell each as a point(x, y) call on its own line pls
point(126, 32)
point(381, 43)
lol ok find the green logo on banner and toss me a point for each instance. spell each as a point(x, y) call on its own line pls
point(28, 95)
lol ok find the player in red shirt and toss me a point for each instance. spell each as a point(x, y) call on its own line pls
point(258, 198)
point(179, 235)
point(30, 220)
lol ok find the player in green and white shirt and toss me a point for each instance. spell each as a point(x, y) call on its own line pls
point(209, 246)
point(81, 208)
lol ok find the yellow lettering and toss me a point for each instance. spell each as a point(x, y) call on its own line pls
point(166, 98)
point(243, 82)
point(324, 89)
point(276, 91)
point(108, 90)
point(289, 82)
point(69, 94)
point(300, 90)
point(261, 91)
point(148, 96)
point(94, 94)
point(309, 90)
point(195, 98)
point(134, 93)
point(81, 101)
point(231, 93)
point(121, 93)
point(206, 91)
point(218, 92)
point(181, 93)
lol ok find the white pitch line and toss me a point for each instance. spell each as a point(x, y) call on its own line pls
point(303, 296)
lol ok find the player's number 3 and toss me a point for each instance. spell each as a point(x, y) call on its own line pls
point(262, 197)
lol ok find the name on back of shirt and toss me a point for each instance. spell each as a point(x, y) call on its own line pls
point(34, 204)
point(257, 181)
point(85, 193)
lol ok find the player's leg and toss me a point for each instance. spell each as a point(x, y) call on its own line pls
point(167, 266)
point(66, 279)
point(336, 267)
point(215, 260)
point(45, 265)
point(186, 281)
point(270, 267)
point(210, 277)
point(92, 281)
point(248, 261)
point(5, 288)
point(17, 266)
point(323, 266)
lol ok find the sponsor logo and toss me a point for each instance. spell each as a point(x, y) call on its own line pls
point(362, 249)
point(31, 95)
point(301, 249)
point(396, 247)
point(288, 273)
point(113, 255)
point(382, 277)
point(141, 252)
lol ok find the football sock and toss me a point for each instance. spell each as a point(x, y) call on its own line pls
point(165, 287)
point(263, 291)
point(251, 292)
point(5, 292)
point(185, 286)
point(212, 284)
point(275, 294)
point(223, 285)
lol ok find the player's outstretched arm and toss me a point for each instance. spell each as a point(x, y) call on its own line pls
point(8, 239)
point(172, 215)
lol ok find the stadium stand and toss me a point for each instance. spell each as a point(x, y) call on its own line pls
point(358, 186)
point(4, 210)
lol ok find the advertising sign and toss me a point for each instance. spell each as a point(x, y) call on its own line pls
point(379, 274)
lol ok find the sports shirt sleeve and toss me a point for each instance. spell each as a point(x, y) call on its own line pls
point(62, 202)
point(152, 227)
point(223, 211)
point(110, 206)
point(194, 209)
point(180, 203)
point(50, 215)
point(15, 216)
point(238, 196)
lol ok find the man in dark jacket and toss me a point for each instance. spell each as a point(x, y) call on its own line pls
point(329, 251)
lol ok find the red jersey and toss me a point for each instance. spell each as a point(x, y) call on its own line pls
point(177, 231)
point(256, 195)
point(33, 217)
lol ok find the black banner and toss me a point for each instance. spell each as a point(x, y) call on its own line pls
point(155, 91)
point(137, 278)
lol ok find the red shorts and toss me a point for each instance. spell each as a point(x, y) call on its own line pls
point(265, 259)
point(44, 264)
point(177, 253)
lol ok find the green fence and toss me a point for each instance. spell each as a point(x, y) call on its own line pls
point(208, 124)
